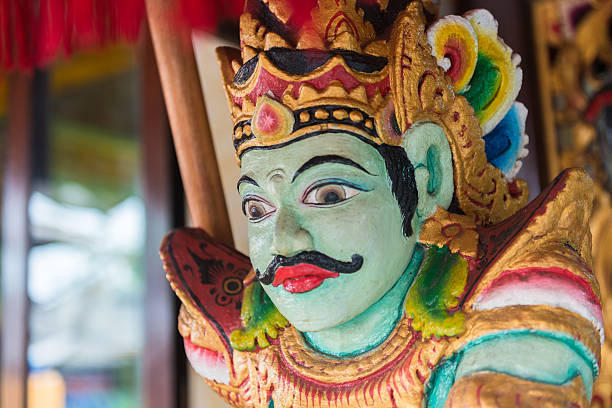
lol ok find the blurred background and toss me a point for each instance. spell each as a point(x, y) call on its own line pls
point(90, 186)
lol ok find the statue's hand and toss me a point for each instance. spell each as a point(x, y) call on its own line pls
point(516, 368)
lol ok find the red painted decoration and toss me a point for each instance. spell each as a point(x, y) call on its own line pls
point(34, 36)
point(210, 274)
point(454, 49)
point(302, 277)
point(267, 119)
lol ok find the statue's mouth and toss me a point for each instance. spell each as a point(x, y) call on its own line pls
point(306, 271)
point(302, 277)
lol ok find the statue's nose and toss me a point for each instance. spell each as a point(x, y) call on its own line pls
point(290, 237)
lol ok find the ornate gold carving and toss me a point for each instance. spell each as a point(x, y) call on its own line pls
point(423, 93)
point(395, 373)
point(252, 36)
point(385, 380)
point(301, 358)
point(341, 25)
point(558, 237)
point(308, 95)
point(458, 232)
point(198, 331)
point(229, 393)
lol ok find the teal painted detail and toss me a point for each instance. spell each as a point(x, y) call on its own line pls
point(435, 173)
point(566, 339)
point(531, 357)
point(484, 84)
point(528, 344)
point(441, 381)
point(429, 152)
point(271, 404)
point(372, 327)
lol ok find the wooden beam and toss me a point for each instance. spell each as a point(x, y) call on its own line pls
point(189, 121)
point(16, 242)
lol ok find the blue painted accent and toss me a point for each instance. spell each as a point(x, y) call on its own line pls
point(271, 404)
point(444, 375)
point(503, 144)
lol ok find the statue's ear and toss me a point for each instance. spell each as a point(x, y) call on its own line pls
point(429, 152)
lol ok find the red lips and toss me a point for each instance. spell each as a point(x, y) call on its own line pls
point(302, 277)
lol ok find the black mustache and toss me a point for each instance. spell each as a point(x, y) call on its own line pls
point(310, 257)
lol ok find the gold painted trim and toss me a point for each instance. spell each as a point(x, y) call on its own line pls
point(558, 237)
point(301, 358)
point(324, 127)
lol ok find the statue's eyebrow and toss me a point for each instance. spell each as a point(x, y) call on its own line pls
point(245, 179)
point(332, 158)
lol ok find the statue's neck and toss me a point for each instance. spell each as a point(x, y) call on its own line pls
point(372, 327)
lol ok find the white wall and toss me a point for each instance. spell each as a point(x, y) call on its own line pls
point(200, 395)
point(222, 130)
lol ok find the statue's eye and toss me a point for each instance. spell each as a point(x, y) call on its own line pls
point(329, 194)
point(256, 209)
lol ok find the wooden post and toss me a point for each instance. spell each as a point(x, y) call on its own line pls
point(189, 121)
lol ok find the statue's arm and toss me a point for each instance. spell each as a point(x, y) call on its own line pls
point(519, 368)
point(527, 361)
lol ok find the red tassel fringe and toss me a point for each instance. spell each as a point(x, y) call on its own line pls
point(30, 38)
point(34, 32)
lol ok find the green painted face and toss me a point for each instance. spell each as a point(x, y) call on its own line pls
point(330, 194)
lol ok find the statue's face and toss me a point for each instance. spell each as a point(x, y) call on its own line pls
point(325, 231)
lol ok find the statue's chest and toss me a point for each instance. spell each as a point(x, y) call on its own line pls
point(292, 375)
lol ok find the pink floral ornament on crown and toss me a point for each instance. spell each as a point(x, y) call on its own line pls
point(272, 120)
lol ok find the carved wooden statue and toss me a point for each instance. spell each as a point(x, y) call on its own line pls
point(393, 259)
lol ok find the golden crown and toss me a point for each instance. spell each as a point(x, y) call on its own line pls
point(370, 70)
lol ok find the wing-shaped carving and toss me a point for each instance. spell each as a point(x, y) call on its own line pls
point(208, 277)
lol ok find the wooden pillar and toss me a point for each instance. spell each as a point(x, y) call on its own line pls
point(16, 242)
point(189, 121)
